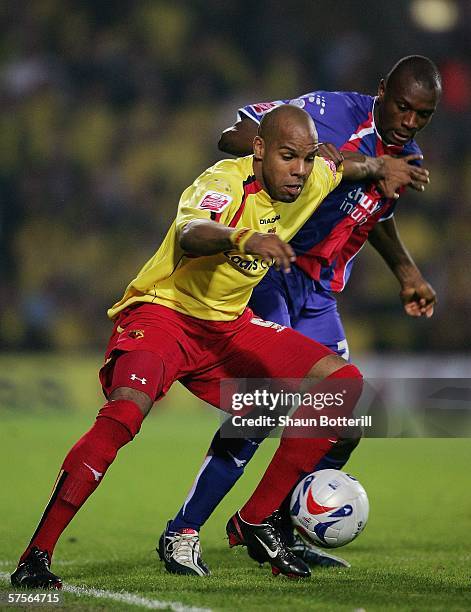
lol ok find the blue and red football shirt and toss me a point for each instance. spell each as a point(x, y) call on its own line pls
point(329, 241)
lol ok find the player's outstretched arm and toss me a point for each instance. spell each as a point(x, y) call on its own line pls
point(238, 139)
point(417, 295)
point(205, 237)
point(390, 172)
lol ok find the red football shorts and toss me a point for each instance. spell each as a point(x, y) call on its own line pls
point(152, 346)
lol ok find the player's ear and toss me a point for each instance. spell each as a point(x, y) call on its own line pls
point(258, 148)
point(381, 89)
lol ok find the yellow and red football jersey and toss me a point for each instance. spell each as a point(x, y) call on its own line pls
point(218, 287)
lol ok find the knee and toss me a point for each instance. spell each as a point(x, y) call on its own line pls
point(350, 378)
point(337, 374)
point(125, 412)
point(333, 366)
point(345, 370)
point(129, 396)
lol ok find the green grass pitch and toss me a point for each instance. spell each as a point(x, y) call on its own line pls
point(415, 553)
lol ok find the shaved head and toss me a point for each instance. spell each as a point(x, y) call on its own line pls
point(284, 151)
point(286, 120)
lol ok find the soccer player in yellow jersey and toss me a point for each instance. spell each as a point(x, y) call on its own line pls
point(184, 317)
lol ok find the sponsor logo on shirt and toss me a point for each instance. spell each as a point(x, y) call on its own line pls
point(250, 265)
point(214, 201)
point(270, 220)
point(360, 205)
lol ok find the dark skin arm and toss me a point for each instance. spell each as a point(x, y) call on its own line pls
point(205, 237)
point(391, 172)
point(417, 296)
point(237, 140)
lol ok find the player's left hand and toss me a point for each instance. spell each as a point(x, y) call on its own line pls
point(418, 298)
point(330, 151)
point(399, 172)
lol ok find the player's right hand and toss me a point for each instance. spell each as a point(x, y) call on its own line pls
point(271, 248)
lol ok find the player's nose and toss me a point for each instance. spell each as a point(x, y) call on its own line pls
point(298, 168)
point(410, 120)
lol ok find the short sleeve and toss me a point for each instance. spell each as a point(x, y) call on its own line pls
point(330, 173)
point(213, 196)
point(257, 110)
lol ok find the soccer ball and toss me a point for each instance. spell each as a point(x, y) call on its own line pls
point(329, 508)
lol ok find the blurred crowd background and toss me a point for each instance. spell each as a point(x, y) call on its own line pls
point(108, 110)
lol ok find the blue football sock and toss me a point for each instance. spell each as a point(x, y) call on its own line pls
point(222, 467)
point(331, 463)
point(339, 454)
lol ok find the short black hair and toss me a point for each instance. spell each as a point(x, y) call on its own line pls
point(419, 68)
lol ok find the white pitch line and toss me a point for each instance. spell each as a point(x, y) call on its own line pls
point(12, 564)
point(124, 597)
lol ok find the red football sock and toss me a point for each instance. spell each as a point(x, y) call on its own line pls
point(86, 463)
point(295, 457)
point(286, 467)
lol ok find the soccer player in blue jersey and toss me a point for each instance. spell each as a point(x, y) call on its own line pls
point(325, 249)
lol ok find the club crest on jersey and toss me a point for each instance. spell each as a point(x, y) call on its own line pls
point(263, 107)
point(214, 201)
point(136, 334)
